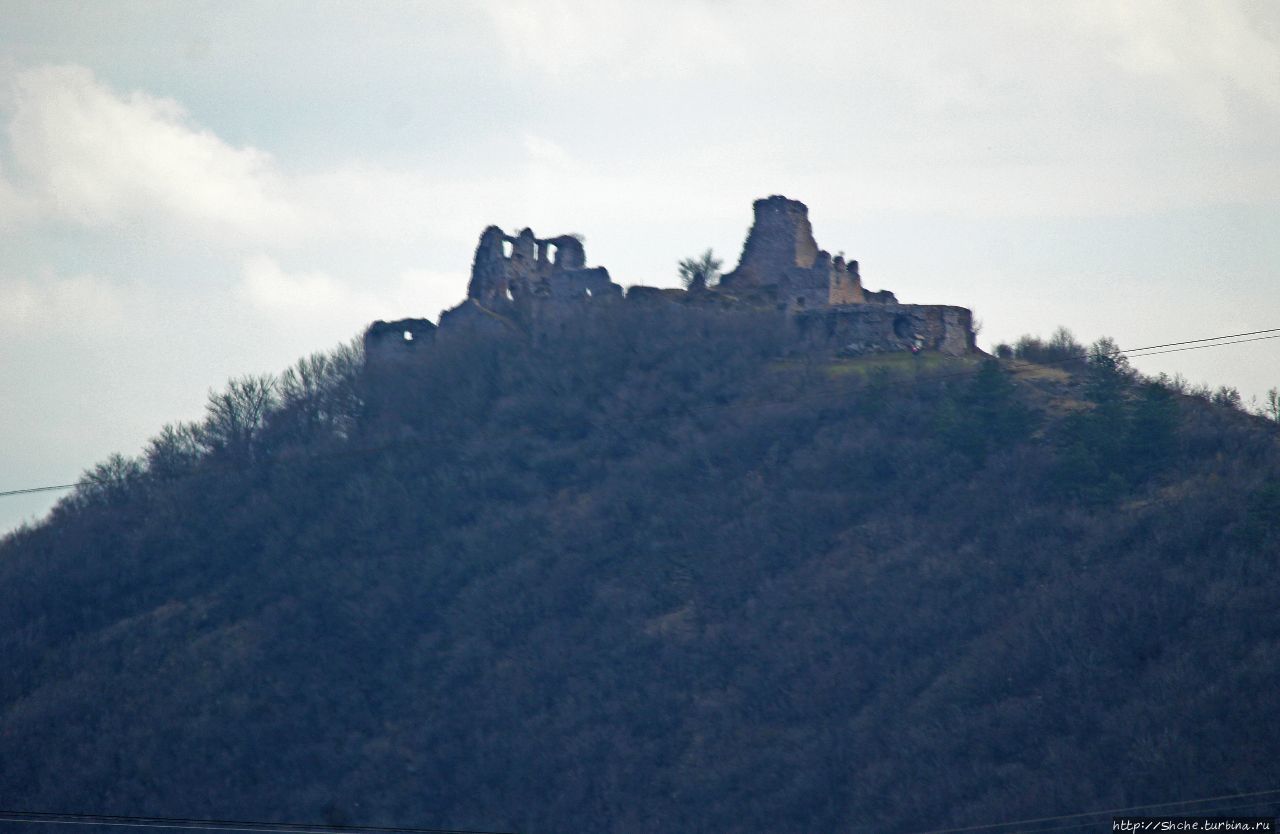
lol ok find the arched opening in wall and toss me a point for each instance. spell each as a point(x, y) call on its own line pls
point(902, 327)
point(553, 252)
point(588, 292)
point(507, 248)
point(510, 295)
point(408, 335)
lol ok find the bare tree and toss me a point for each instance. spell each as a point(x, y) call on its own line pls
point(235, 418)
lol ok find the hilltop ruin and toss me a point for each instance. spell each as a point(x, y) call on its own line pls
point(539, 286)
point(781, 253)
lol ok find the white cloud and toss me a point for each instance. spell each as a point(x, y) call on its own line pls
point(268, 287)
point(379, 203)
point(87, 154)
point(626, 40)
point(15, 207)
point(318, 298)
point(76, 302)
point(1205, 49)
point(93, 157)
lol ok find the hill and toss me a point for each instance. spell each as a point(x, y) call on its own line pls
point(642, 578)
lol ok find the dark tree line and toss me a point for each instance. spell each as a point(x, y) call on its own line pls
point(651, 577)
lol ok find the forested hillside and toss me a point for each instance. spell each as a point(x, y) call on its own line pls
point(657, 579)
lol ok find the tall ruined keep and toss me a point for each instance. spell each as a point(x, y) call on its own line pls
point(781, 253)
point(780, 240)
point(540, 286)
point(827, 307)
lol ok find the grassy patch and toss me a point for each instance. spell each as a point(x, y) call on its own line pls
point(900, 363)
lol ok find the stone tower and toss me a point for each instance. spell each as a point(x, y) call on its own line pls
point(780, 238)
point(781, 254)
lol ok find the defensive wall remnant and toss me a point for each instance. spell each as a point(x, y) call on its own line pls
point(528, 283)
point(391, 342)
point(540, 286)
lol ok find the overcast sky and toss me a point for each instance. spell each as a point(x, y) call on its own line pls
point(194, 191)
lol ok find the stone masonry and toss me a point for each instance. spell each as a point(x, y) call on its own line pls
point(780, 254)
point(538, 286)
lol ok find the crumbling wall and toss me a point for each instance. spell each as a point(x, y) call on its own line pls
point(473, 317)
point(828, 281)
point(489, 268)
point(656, 295)
point(582, 284)
point(532, 268)
point(397, 341)
point(539, 288)
point(527, 283)
point(845, 283)
point(855, 330)
point(569, 252)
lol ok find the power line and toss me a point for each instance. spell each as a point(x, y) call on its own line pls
point(67, 818)
point(1082, 357)
point(1013, 370)
point(1219, 344)
point(29, 490)
point(1138, 352)
point(1208, 339)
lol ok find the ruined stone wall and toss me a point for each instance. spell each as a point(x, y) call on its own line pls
point(534, 288)
point(582, 284)
point(829, 281)
point(390, 342)
point(538, 288)
point(845, 283)
point(473, 317)
point(534, 268)
point(489, 269)
point(883, 328)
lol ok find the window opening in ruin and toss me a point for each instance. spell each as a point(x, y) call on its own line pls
point(507, 248)
point(902, 327)
point(510, 297)
point(800, 301)
point(588, 292)
point(553, 252)
point(408, 335)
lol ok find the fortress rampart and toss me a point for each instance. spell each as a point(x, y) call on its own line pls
point(539, 286)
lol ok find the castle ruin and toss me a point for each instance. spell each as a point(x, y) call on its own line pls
point(539, 286)
point(780, 252)
point(528, 282)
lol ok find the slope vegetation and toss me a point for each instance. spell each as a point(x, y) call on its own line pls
point(648, 579)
